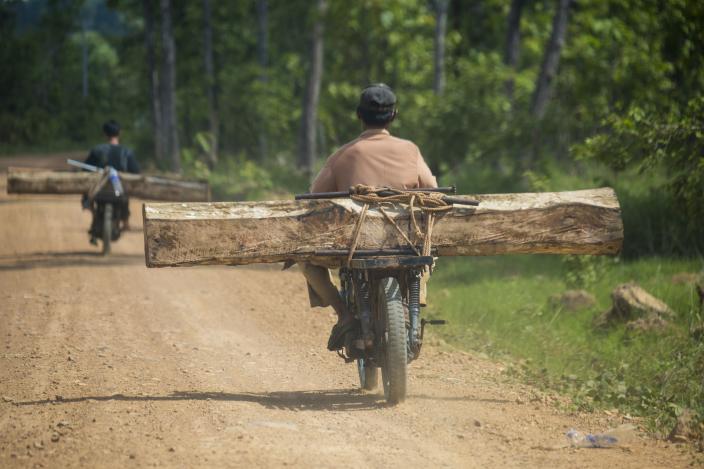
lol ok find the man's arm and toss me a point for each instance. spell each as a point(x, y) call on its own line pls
point(425, 175)
point(325, 180)
point(132, 165)
point(92, 158)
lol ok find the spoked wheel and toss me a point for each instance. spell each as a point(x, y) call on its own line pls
point(368, 375)
point(394, 351)
point(107, 228)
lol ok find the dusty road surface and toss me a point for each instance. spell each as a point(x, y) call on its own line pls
point(105, 363)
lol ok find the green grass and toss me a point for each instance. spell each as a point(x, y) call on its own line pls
point(500, 306)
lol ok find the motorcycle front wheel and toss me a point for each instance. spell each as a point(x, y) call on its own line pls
point(368, 375)
point(394, 351)
point(107, 228)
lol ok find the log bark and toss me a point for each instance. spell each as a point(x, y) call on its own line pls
point(233, 233)
point(26, 181)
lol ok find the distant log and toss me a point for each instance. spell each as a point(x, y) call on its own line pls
point(29, 181)
point(232, 233)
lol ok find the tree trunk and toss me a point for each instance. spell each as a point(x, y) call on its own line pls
point(579, 222)
point(308, 149)
point(364, 64)
point(513, 43)
point(440, 30)
point(210, 84)
point(168, 83)
point(263, 59)
point(26, 181)
point(84, 59)
point(155, 95)
point(551, 60)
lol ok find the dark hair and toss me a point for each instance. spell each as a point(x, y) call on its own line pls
point(376, 118)
point(111, 128)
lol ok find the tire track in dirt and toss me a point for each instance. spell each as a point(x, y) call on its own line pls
point(227, 367)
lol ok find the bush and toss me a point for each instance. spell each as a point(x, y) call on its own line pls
point(237, 178)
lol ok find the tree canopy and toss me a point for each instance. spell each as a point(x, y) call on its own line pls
point(625, 86)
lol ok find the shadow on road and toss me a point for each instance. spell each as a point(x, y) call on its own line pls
point(341, 399)
point(67, 259)
point(460, 398)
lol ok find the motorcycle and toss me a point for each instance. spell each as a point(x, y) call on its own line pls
point(382, 289)
point(107, 201)
point(384, 293)
point(107, 209)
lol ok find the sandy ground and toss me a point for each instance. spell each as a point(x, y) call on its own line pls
point(105, 363)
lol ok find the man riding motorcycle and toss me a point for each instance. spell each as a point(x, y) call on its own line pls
point(118, 157)
point(375, 158)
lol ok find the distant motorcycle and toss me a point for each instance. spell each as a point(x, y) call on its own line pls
point(106, 201)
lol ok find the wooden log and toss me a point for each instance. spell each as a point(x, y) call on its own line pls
point(232, 233)
point(31, 181)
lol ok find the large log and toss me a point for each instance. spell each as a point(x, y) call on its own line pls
point(232, 233)
point(30, 181)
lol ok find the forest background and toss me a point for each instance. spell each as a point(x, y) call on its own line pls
point(500, 95)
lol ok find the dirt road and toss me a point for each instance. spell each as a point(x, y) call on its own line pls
point(104, 363)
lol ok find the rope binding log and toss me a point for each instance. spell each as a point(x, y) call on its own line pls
point(431, 204)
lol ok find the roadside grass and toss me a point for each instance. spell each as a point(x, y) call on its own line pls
point(500, 306)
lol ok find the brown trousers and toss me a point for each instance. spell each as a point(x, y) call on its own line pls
point(322, 292)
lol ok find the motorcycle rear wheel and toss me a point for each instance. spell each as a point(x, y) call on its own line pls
point(395, 358)
point(107, 228)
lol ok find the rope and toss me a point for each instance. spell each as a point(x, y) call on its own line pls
point(357, 230)
point(430, 203)
point(400, 231)
point(427, 242)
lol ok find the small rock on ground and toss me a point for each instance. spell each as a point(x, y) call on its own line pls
point(573, 300)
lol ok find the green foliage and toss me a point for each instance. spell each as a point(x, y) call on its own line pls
point(470, 122)
point(499, 305)
point(41, 92)
point(239, 178)
point(650, 141)
point(583, 271)
point(653, 220)
point(628, 95)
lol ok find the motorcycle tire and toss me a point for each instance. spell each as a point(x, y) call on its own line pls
point(368, 375)
point(107, 228)
point(395, 357)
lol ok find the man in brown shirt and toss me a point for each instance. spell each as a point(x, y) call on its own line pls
point(375, 158)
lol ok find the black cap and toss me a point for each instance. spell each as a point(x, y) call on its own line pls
point(377, 97)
